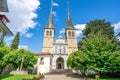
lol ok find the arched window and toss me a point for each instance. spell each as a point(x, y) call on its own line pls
point(50, 33)
point(73, 35)
point(47, 33)
point(42, 60)
point(69, 33)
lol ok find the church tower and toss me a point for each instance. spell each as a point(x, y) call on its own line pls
point(48, 35)
point(70, 34)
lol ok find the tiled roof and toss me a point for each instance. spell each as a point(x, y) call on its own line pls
point(43, 53)
point(4, 17)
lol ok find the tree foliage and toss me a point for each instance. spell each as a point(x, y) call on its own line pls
point(15, 42)
point(96, 26)
point(98, 50)
point(2, 44)
point(12, 58)
point(75, 59)
point(4, 50)
point(15, 58)
point(99, 25)
point(97, 53)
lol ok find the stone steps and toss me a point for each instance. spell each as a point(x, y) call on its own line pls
point(60, 71)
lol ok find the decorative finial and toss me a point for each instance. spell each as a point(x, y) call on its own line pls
point(51, 4)
point(68, 4)
point(51, 1)
point(68, 9)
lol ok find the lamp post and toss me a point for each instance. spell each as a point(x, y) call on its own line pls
point(4, 30)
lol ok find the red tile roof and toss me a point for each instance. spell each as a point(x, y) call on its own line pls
point(4, 17)
point(43, 53)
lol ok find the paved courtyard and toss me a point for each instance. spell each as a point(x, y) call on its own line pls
point(61, 77)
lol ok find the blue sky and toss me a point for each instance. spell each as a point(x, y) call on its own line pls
point(31, 16)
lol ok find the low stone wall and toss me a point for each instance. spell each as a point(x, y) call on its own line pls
point(81, 71)
point(19, 72)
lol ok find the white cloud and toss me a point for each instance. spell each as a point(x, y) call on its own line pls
point(28, 35)
point(116, 28)
point(9, 39)
point(55, 4)
point(21, 14)
point(54, 13)
point(79, 28)
point(23, 47)
point(62, 31)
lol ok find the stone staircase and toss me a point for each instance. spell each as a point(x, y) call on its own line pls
point(60, 71)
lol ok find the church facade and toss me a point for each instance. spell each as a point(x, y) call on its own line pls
point(56, 51)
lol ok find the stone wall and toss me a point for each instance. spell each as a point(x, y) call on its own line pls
point(19, 72)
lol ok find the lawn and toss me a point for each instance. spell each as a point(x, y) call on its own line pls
point(110, 79)
point(16, 77)
point(92, 77)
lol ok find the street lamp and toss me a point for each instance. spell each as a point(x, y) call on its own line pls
point(4, 30)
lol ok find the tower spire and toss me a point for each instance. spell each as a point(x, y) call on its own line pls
point(69, 21)
point(50, 21)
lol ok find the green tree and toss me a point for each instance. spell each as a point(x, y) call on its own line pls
point(29, 58)
point(15, 58)
point(99, 25)
point(3, 51)
point(97, 53)
point(15, 42)
point(96, 26)
point(78, 60)
point(2, 44)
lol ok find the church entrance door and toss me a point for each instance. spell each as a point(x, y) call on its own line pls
point(60, 63)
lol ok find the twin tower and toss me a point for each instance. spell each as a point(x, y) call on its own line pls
point(70, 35)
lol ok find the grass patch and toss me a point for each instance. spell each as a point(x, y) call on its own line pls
point(16, 77)
point(107, 79)
point(92, 77)
point(110, 79)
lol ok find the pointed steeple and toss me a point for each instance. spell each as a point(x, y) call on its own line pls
point(50, 21)
point(69, 21)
